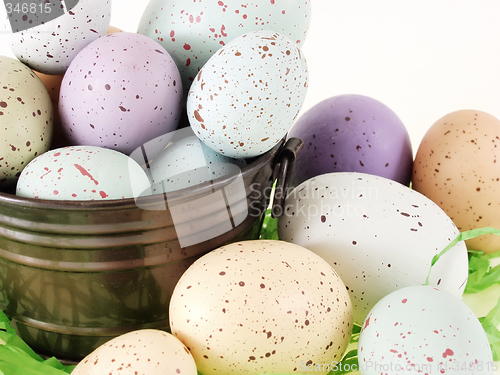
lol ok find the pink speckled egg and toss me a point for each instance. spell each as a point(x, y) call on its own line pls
point(424, 330)
point(192, 31)
point(247, 96)
point(82, 173)
point(261, 307)
point(119, 92)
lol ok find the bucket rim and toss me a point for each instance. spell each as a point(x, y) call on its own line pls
point(255, 164)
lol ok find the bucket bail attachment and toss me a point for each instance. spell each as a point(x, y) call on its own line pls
point(283, 172)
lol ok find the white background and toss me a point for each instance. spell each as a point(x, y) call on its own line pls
point(422, 58)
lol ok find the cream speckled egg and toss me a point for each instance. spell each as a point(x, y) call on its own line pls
point(26, 119)
point(50, 47)
point(82, 173)
point(247, 96)
point(457, 165)
point(260, 306)
point(145, 351)
point(378, 234)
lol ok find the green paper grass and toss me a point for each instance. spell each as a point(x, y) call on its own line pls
point(269, 229)
point(17, 358)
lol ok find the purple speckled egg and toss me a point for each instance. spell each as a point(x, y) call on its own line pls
point(119, 92)
point(352, 133)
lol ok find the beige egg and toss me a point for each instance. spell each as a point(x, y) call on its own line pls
point(262, 306)
point(113, 29)
point(26, 119)
point(145, 351)
point(457, 165)
point(53, 85)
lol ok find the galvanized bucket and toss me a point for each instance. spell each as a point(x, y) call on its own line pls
point(74, 274)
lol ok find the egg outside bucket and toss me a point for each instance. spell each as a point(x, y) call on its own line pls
point(75, 274)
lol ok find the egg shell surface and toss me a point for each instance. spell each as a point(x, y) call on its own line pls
point(119, 92)
point(259, 306)
point(82, 173)
point(377, 234)
point(457, 165)
point(420, 329)
point(247, 96)
point(192, 31)
point(145, 351)
point(26, 119)
point(52, 83)
point(352, 133)
point(188, 162)
point(50, 47)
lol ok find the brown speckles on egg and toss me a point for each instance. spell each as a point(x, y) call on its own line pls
point(462, 146)
point(49, 48)
point(274, 317)
point(120, 68)
point(156, 353)
point(271, 100)
point(390, 214)
point(27, 119)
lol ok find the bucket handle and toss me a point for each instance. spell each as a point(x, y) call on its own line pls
point(283, 172)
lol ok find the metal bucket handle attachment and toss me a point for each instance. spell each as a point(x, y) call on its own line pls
point(283, 172)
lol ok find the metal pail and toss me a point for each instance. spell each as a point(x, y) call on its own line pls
point(74, 274)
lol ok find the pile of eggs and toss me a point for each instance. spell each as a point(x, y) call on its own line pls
point(361, 223)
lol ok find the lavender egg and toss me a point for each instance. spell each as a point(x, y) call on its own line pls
point(352, 133)
point(119, 92)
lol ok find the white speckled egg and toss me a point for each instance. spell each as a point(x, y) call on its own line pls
point(247, 96)
point(119, 92)
point(82, 173)
point(188, 162)
point(420, 329)
point(26, 119)
point(378, 234)
point(192, 31)
point(145, 351)
point(50, 47)
point(256, 307)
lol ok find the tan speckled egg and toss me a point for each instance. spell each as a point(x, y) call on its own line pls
point(145, 351)
point(457, 165)
point(26, 119)
point(262, 306)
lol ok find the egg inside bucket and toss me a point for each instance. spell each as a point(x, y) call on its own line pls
point(75, 274)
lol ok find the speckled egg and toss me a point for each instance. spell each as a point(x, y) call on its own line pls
point(420, 329)
point(82, 173)
point(352, 133)
point(26, 119)
point(192, 31)
point(52, 83)
point(51, 46)
point(186, 162)
point(456, 167)
point(119, 92)
point(145, 351)
point(247, 96)
point(378, 234)
point(256, 307)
